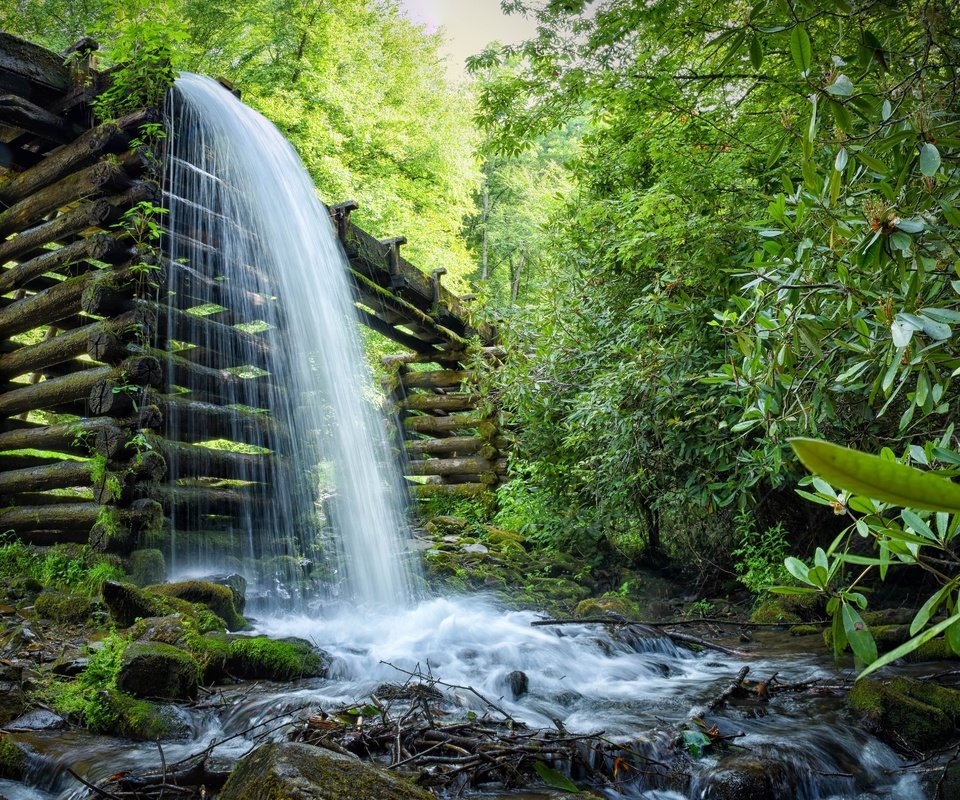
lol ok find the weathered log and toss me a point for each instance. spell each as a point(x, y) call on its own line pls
point(52, 393)
point(442, 357)
point(55, 516)
point(139, 525)
point(209, 384)
point(112, 397)
point(58, 475)
point(191, 461)
point(66, 437)
point(252, 348)
point(93, 181)
point(17, 112)
point(376, 297)
point(437, 379)
point(196, 421)
point(470, 465)
point(440, 425)
point(43, 499)
point(43, 308)
point(37, 67)
point(401, 337)
point(424, 491)
point(100, 247)
point(89, 147)
point(9, 462)
point(102, 341)
point(452, 445)
point(488, 478)
point(442, 402)
point(186, 500)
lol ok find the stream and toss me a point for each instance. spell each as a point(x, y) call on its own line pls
point(590, 679)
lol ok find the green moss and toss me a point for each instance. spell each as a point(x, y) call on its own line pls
point(773, 611)
point(137, 719)
point(65, 607)
point(942, 697)
point(217, 598)
point(86, 697)
point(805, 630)
point(602, 606)
point(147, 566)
point(13, 761)
point(895, 714)
point(272, 659)
point(156, 669)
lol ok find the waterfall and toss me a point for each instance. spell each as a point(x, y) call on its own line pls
point(261, 322)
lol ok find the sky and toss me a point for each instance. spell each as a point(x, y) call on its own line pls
point(469, 26)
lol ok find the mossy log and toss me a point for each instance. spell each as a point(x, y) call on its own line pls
point(192, 461)
point(91, 182)
point(40, 524)
point(100, 247)
point(184, 500)
point(52, 393)
point(209, 384)
point(42, 499)
point(455, 356)
point(58, 475)
point(185, 327)
point(401, 337)
point(452, 445)
point(442, 402)
point(437, 379)
point(43, 308)
point(67, 437)
point(124, 529)
point(80, 152)
point(470, 465)
point(196, 421)
point(120, 393)
point(440, 425)
point(31, 70)
point(105, 342)
point(425, 491)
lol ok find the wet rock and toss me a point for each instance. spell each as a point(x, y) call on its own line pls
point(127, 603)
point(519, 683)
point(13, 701)
point(70, 668)
point(39, 719)
point(64, 607)
point(747, 777)
point(218, 598)
point(237, 584)
point(154, 669)
point(294, 771)
point(259, 657)
point(477, 549)
point(143, 720)
point(13, 760)
point(904, 710)
point(169, 629)
point(147, 566)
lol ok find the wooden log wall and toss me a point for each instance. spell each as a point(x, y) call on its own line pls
point(76, 379)
point(449, 433)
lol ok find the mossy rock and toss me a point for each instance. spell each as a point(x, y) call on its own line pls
point(447, 525)
point(502, 536)
point(295, 771)
point(147, 567)
point(805, 630)
point(154, 669)
point(605, 606)
point(13, 760)
point(140, 719)
point(259, 657)
point(22, 587)
point(217, 598)
point(65, 607)
point(774, 611)
point(127, 603)
point(895, 712)
point(13, 699)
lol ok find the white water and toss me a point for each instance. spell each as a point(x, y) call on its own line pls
point(249, 234)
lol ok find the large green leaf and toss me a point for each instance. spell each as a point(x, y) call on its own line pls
point(875, 477)
point(555, 779)
point(910, 646)
point(800, 48)
point(929, 160)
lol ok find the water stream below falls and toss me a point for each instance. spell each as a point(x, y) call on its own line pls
point(587, 678)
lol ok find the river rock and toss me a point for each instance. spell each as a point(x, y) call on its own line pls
point(294, 771)
point(237, 584)
point(519, 683)
point(128, 603)
point(216, 597)
point(921, 714)
point(262, 658)
point(40, 719)
point(154, 669)
point(13, 702)
point(747, 777)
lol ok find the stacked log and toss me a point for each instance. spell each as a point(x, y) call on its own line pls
point(449, 432)
point(71, 335)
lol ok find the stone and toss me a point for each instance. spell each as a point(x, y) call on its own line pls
point(39, 719)
point(747, 777)
point(157, 670)
point(64, 607)
point(262, 658)
point(237, 584)
point(13, 760)
point(13, 700)
point(127, 603)
point(479, 549)
point(216, 597)
point(147, 566)
point(920, 714)
point(519, 683)
point(295, 771)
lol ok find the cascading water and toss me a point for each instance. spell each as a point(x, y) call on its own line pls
point(258, 287)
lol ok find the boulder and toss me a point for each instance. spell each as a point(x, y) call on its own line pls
point(295, 771)
point(237, 584)
point(154, 669)
point(13, 701)
point(218, 598)
point(147, 566)
point(921, 714)
point(259, 657)
point(65, 607)
point(519, 683)
point(127, 603)
point(747, 777)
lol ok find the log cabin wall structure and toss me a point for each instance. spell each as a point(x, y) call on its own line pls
point(86, 375)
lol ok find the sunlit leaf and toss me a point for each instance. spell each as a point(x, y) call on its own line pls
point(800, 48)
point(858, 635)
point(555, 779)
point(875, 477)
point(910, 646)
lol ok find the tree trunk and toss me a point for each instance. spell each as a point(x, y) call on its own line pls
point(440, 425)
point(442, 402)
point(438, 379)
point(451, 446)
point(52, 393)
point(59, 475)
point(101, 247)
point(450, 466)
